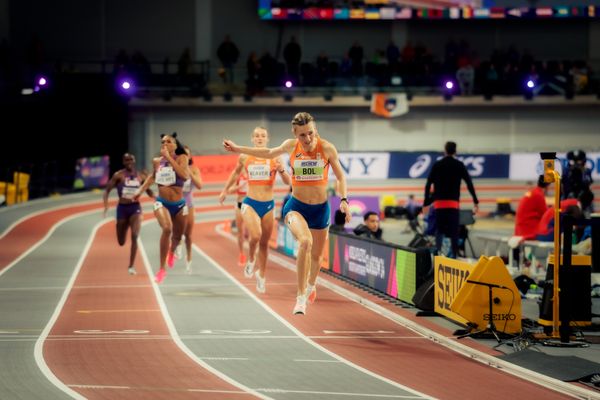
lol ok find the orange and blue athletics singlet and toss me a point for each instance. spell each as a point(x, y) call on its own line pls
point(309, 169)
point(261, 172)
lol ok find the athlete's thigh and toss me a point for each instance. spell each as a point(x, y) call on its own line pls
point(267, 224)
point(135, 222)
point(251, 219)
point(163, 217)
point(191, 220)
point(297, 224)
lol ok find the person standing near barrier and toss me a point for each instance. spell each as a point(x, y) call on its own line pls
point(258, 206)
point(129, 211)
point(446, 176)
point(307, 213)
point(171, 170)
point(195, 180)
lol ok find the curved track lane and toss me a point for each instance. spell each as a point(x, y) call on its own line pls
point(204, 335)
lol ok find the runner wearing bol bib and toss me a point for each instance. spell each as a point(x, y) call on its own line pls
point(307, 212)
point(309, 169)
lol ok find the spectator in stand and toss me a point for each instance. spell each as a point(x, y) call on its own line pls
point(356, 55)
point(392, 53)
point(228, 54)
point(370, 229)
point(530, 210)
point(253, 85)
point(184, 64)
point(465, 75)
point(292, 53)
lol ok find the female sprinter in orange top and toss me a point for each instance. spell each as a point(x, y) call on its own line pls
point(258, 206)
point(307, 213)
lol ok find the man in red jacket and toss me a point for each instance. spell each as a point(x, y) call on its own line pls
point(532, 207)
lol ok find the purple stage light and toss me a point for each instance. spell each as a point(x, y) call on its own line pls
point(288, 84)
point(126, 86)
point(449, 85)
point(530, 84)
point(42, 81)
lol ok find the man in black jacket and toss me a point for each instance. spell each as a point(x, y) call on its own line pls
point(446, 176)
point(370, 228)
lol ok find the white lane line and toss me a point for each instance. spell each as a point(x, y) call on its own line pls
point(265, 390)
point(157, 389)
point(175, 335)
point(318, 361)
point(39, 344)
point(362, 395)
point(446, 341)
point(44, 211)
point(42, 240)
point(301, 335)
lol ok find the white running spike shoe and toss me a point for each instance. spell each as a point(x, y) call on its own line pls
point(260, 283)
point(300, 307)
point(249, 269)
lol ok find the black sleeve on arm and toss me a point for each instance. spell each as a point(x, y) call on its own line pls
point(428, 199)
point(469, 183)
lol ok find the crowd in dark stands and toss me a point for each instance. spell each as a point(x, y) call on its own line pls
point(411, 66)
point(505, 72)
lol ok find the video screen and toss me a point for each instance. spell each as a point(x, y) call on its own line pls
point(426, 9)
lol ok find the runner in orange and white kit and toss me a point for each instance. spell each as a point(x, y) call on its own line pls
point(307, 213)
point(258, 206)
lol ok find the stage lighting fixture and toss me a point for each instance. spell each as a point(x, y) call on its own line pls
point(207, 97)
point(247, 97)
point(288, 97)
point(126, 86)
point(528, 90)
point(227, 97)
point(368, 96)
point(328, 97)
point(42, 82)
point(448, 90)
point(409, 96)
point(288, 84)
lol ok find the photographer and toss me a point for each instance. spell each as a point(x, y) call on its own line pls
point(576, 181)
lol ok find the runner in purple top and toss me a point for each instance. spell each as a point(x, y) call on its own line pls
point(129, 212)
